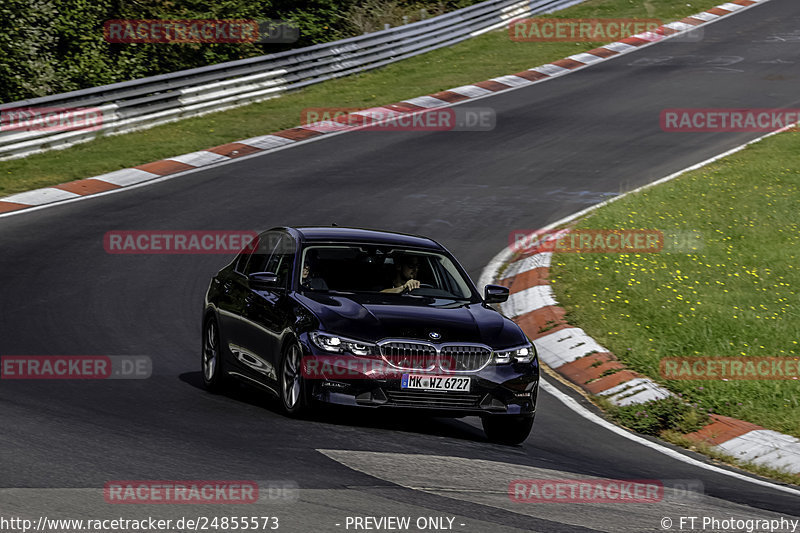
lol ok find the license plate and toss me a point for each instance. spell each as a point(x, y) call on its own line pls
point(442, 383)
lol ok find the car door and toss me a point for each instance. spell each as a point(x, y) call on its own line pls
point(268, 311)
point(229, 301)
point(240, 333)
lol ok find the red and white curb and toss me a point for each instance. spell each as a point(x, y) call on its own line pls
point(577, 357)
point(157, 170)
point(562, 347)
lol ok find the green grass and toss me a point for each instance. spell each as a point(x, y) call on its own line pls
point(477, 59)
point(656, 416)
point(734, 294)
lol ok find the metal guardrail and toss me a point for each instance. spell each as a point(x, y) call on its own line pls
point(148, 102)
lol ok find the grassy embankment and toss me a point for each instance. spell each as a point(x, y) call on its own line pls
point(736, 295)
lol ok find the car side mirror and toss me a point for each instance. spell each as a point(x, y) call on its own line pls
point(495, 294)
point(262, 281)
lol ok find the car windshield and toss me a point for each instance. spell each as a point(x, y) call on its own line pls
point(382, 270)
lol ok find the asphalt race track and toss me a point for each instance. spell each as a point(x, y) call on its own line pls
point(558, 147)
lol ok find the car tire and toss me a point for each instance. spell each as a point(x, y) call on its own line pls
point(293, 388)
point(507, 429)
point(211, 357)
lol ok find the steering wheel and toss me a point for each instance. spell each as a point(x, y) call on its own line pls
point(422, 286)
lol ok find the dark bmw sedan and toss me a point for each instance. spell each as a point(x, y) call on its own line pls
point(368, 319)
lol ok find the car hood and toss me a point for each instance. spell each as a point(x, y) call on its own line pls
point(369, 321)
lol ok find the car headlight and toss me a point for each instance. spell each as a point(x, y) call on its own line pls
point(338, 344)
point(522, 354)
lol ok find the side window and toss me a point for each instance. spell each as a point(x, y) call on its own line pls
point(281, 261)
point(244, 256)
point(259, 254)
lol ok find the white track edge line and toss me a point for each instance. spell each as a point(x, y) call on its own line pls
point(569, 402)
point(168, 176)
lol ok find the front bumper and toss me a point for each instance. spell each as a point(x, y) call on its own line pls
point(506, 389)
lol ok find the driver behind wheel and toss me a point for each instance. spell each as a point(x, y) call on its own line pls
point(309, 278)
point(406, 268)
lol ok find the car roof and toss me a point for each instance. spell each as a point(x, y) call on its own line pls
point(340, 234)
